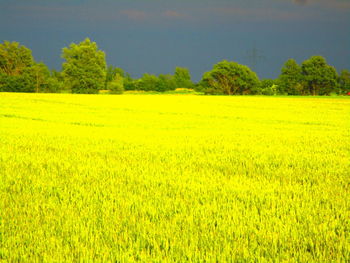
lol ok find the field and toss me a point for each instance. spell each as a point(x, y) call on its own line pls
point(174, 178)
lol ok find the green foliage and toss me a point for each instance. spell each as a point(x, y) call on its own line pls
point(268, 87)
point(84, 70)
point(290, 81)
point(132, 84)
point(15, 59)
point(54, 85)
point(182, 78)
point(16, 68)
point(115, 88)
point(116, 85)
point(148, 82)
point(229, 78)
point(165, 82)
point(41, 76)
point(320, 78)
point(111, 73)
point(18, 83)
point(56, 82)
point(344, 81)
point(314, 77)
point(201, 87)
point(127, 82)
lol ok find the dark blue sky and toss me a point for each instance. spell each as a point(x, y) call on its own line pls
point(155, 36)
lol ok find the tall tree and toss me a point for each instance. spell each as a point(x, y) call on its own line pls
point(14, 58)
point(182, 78)
point(111, 73)
point(116, 85)
point(18, 70)
point(321, 79)
point(85, 67)
point(290, 81)
point(230, 78)
point(344, 81)
point(165, 82)
point(148, 82)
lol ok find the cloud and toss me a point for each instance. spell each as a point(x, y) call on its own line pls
point(221, 12)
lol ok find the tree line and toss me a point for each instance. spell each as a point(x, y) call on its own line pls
point(85, 70)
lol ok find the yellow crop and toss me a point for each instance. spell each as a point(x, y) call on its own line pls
point(169, 178)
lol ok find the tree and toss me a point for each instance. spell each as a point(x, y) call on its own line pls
point(111, 73)
point(165, 82)
point(116, 85)
point(131, 84)
point(14, 58)
point(268, 87)
point(148, 82)
point(128, 82)
point(344, 81)
point(16, 62)
point(290, 81)
point(20, 83)
point(320, 78)
point(85, 67)
point(182, 78)
point(229, 78)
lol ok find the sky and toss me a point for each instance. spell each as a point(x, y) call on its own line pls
point(155, 36)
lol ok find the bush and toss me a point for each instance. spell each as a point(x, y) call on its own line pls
point(85, 86)
point(20, 83)
point(115, 88)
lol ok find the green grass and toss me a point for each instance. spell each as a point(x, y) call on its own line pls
point(170, 178)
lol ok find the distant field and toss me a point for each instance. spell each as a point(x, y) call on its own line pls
point(171, 178)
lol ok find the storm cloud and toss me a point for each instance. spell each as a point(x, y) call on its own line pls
point(156, 36)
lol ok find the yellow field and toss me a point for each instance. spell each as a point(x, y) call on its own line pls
point(166, 178)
